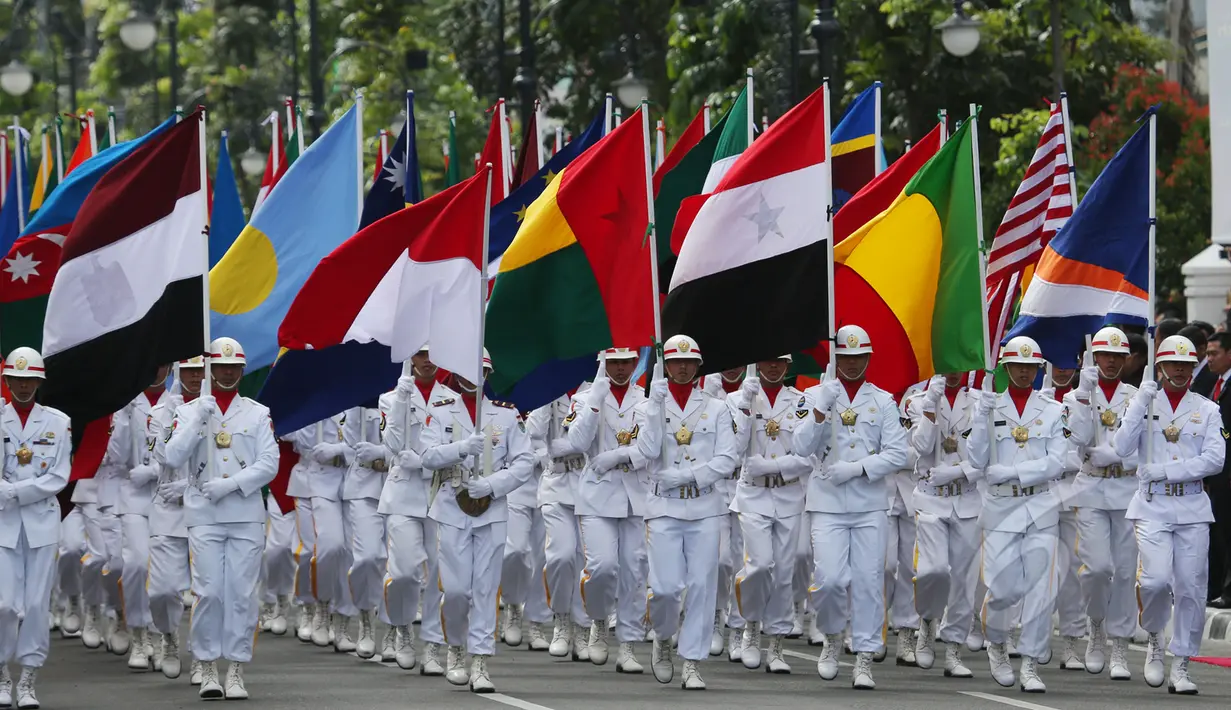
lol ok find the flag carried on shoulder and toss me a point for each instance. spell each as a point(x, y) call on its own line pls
point(129, 296)
point(761, 237)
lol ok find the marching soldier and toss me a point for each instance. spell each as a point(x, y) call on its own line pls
point(689, 440)
point(1179, 440)
point(1018, 440)
point(900, 548)
point(1102, 492)
point(362, 430)
point(947, 507)
point(226, 443)
point(278, 567)
point(404, 501)
point(769, 501)
point(477, 460)
point(856, 431)
point(37, 444)
point(727, 619)
point(611, 505)
point(521, 587)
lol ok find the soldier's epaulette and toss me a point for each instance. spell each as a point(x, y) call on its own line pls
point(1067, 433)
point(444, 402)
point(966, 434)
point(504, 405)
point(906, 422)
point(801, 413)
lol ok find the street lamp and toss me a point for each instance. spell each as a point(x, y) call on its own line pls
point(138, 32)
point(630, 90)
point(252, 162)
point(16, 78)
point(960, 33)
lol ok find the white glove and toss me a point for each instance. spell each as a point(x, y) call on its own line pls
point(406, 385)
point(827, 395)
point(1103, 456)
point(608, 460)
point(142, 474)
point(218, 487)
point(755, 466)
point(944, 474)
point(1048, 392)
point(1147, 472)
point(408, 459)
point(478, 487)
point(597, 394)
point(8, 492)
point(840, 472)
point(659, 390)
point(984, 404)
point(472, 445)
point(936, 390)
point(172, 491)
point(325, 453)
point(1089, 379)
point(1145, 393)
point(367, 452)
point(748, 392)
point(208, 407)
point(675, 477)
point(1000, 473)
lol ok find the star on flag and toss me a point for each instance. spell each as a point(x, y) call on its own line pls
point(23, 266)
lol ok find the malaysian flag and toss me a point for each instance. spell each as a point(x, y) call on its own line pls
point(1043, 203)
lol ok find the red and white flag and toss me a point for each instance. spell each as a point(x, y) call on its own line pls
point(275, 165)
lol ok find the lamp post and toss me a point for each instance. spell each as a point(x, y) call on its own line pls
point(526, 82)
point(1057, 53)
point(824, 29)
point(16, 79)
point(252, 162)
point(630, 89)
point(960, 33)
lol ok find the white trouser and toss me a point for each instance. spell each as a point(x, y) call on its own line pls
point(169, 578)
point(72, 549)
point(683, 558)
point(615, 573)
point(26, 578)
point(135, 530)
point(763, 588)
point(562, 569)
point(411, 567)
point(1174, 569)
point(367, 544)
point(849, 553)
point(99, 586)
point(305, 550)
point(1069, 604)
point(801, 579)
point(470, 562)
point(730, 560)
point(523, 559)
point(900, 567)
point(1108, 552)
point(323, 529)
point(1017, 567)
point(946, 572)
point(226, 573)
point(278, 568)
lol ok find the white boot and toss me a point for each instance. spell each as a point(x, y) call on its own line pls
point(906, 647)
point(1180, 683)
point(196, 673)
point(388, 645)
point(815, 637)
point(366, 646)
point(480, 681)
point(691, 678)
point(431, 661)
point(320, 625)
point(626, 660)
point(861, 679)
point(1096, 653)
point(1069, 660)
point(827, 663)
point(342, 641)
point(735, 648)
point(797, 623)
point(581, 643)
point(925, 644)
point(403, 651)
point(6, 686)
point(562, 636)
point(1154, 661)
point(1119, 660)
point(235, 689)
point(954, 668)
point(1031, 683)
point(266, 615)
point(1002, 669)
point(171, 655)
point(774, 662)
point(717, 638)
point(538, 641)
point(277, 625)
point(70, 620)
point(137, 658)
point(91, 636)
point(750, 653)
point(598, 642)
point(1014, 637)
point(211, 686)
point(303, 625)
point(512, 625)
point(662, 661)
point(119, 640)
point(27, 700)
point(974, 639)
point(455, 666)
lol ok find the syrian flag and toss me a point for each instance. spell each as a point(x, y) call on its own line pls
point(128, 296)
point(751, 282)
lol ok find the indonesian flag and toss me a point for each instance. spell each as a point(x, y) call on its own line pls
point(275, 165)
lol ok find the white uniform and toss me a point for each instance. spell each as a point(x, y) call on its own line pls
point(111, 474)
point(317, 489)
point(30, 528)
point(1101, 494)
point(770, 507)
point(848, 519)
point(133, 507)
point(225, 536)
point(281, 543)
point(557, 498)
point(900, 537)
point(611, 506)
point(1173, 514)
point(948, 536)
point(100, 587)
point(521, 584)
point(1020, 516)
point(361, 489)
point(472, 548)
point(684, 522)
point(404, 500)
point(731, 534)
point(1070, 609)
point(169, 574)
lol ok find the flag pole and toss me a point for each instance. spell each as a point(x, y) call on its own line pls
point(705, 117)
point(538, 135)
point(291, 125)
point(206, 385)
point(1068, 146)
point(1149, 372)
point(45, 146)
point(831, 306)
point(19, 168)
point(607, 114)
point(89, 118)
point(359, 146)
point(943, 115)
point(652, 231)
point(878, 143)
point(751, 370)
point(110, 126)
point(410, 127)
point(989, 364)
point(383, 138)
point(483, 284)
point(4, 167)
point(660, 144)
point(506, 168)
point(559, 140)
point(59, 154)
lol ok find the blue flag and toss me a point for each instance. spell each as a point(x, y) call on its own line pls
point(399, 183)
point(16, 211)
point(226, 219)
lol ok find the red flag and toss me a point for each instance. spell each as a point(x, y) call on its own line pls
point(688, 140)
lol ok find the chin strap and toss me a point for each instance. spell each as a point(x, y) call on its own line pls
point(856, 378)
point(1114, 376)
point(1173, 383)
point(730, 380)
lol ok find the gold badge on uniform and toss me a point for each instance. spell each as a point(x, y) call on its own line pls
point(1108, 418)
point(24, 455)
point(1171, 434)
point(849, 417)
point(222, 440)
point(949, 445)
point(772, 428)
point(1021, 433)
point(624, 437)
point(683, 437)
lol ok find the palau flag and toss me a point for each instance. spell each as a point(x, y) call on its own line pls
point(856, 158)
point(1096, 270)
point(314, 209)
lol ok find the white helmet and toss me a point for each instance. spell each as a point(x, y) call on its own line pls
point(1109, 340)
point(193, 363)
point(487, 361)
point(1176, 348)
point(1022, 350)
point(226, 351)
point(786, 357)
point(681, 347)
point(24, 362)
point(852, 340)
point(619, 354)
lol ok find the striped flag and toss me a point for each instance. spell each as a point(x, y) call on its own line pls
point(1043, 203)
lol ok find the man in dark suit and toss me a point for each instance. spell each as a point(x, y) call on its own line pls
point(1218, 362)
point(1203, 377)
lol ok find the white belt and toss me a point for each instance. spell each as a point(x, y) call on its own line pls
point(1015, 490)
point(1113, 471)
point(773, 480)
point(567, 464)
point(949, 490)
point(1163, 488)
point(681, 492)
